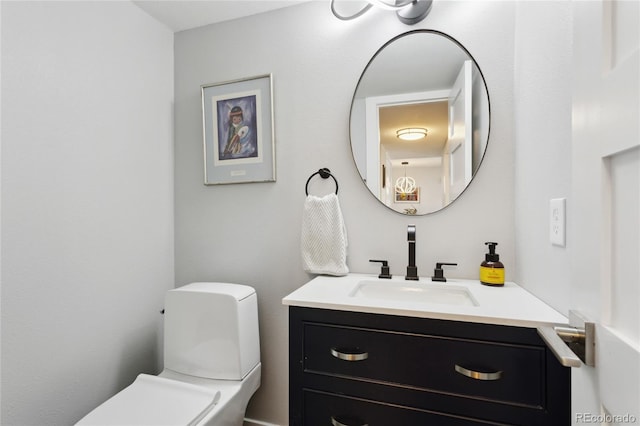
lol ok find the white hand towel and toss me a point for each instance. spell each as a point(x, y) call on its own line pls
point(324, 236)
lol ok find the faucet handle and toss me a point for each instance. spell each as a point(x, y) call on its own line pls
point(384, 270)
point(438, 272)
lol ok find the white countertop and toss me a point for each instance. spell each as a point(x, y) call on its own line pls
point(507, 305)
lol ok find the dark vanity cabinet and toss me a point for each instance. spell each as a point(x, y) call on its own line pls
point(351, 368)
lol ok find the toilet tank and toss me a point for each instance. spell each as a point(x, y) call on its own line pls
point(211, 330)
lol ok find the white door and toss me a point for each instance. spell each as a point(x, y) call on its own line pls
point(604, 209)
point(459, 149)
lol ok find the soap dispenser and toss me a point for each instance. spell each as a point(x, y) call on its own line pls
point(492, 270)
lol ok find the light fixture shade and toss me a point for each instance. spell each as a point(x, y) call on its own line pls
point(411, 133)
point(409, 12)
point(405, 185)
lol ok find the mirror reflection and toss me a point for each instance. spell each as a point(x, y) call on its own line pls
point(419, 122)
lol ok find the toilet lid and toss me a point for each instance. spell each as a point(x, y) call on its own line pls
point(154, 401)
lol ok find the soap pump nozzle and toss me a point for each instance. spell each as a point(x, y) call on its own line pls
point(492, 256)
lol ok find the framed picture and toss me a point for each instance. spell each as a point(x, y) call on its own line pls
point(237, 119)
point(408, 197)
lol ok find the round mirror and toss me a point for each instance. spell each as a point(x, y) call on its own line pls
point(419, 122)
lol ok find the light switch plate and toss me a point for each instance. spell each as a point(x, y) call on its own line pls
point(557, 221)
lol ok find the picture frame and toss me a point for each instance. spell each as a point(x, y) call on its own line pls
point(238, 131)
point(411, 197)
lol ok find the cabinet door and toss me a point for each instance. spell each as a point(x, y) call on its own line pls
point(323, 409)
point(498, 372)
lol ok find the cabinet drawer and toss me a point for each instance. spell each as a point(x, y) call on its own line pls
point(323, 409)
point(506, 373)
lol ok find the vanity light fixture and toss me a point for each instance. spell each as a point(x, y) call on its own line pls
point(409, 12)
point(411, 133)
point(405, 184)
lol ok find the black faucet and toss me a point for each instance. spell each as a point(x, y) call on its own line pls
point(412, 269)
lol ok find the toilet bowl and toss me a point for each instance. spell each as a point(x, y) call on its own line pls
point(212, 363)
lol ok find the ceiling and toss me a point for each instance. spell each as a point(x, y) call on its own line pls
point(180, 15)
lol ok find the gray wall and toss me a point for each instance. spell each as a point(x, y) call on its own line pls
point(87, 204)
point(250, 233)
point(542, 93)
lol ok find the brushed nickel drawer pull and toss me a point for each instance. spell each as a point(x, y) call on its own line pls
point(349, 355)
point(336, 422)
point(477, 375)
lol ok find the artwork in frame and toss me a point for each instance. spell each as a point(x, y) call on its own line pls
point(238, 133)
point(408, 197)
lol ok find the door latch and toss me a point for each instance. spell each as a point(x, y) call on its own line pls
point(574, 344)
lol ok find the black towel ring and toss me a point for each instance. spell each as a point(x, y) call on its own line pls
point(324, 174)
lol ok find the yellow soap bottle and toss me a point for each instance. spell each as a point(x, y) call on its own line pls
point(492, 270)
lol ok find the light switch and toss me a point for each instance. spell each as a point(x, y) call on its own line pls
point(557, 221)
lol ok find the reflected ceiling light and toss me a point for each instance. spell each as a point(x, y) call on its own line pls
point(405, 184)
point(411, 133)
point(409, 12)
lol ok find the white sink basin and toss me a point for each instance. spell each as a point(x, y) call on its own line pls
point(446, 294)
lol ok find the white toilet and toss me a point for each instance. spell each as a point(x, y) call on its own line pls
point(211, 363)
